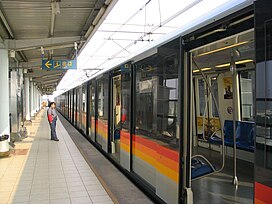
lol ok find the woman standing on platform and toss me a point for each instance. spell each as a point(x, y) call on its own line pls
point(52, 119)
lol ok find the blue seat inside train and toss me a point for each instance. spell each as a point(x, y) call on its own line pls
point(245, 135)
point(200, 167)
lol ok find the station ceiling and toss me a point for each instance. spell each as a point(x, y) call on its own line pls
point(48, 29)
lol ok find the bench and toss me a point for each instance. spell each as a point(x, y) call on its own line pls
point(245, 135)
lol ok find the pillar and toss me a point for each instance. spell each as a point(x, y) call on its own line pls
point(36, 99)
point(4, 87)
point(27, 98)
point(32, 99)
point(13, 100)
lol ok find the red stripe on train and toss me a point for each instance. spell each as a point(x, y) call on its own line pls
point(263, 193)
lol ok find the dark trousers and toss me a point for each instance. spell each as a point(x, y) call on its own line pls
point(53, 129)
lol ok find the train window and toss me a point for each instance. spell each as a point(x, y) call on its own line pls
point(202, 94)
point(202, 98)
point(155, 141)
point(78, 106)
point(214, 86)
point(102, 100)
point(126, 96)
point(246, 94)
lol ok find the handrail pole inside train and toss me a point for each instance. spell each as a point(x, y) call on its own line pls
point(234, 81)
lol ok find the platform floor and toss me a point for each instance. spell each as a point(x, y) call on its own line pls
point(41, 171)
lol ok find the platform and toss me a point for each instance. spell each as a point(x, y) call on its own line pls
point(43, 171)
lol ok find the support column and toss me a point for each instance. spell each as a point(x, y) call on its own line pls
point(36, 98)
point(38, 101)
point(13, 101)
point(4, 87)
point(27, 98)
point(32, 99)
point(21, 93)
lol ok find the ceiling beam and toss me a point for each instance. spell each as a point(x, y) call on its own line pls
point(41, 79)
point(4, 20)
point(49, 76)
point(53, 18)
point(1, 40)
point(31, 44)
point(52, 81)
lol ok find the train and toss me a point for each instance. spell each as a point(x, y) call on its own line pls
point(188, 118)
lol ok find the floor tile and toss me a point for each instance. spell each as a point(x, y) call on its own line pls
point(40, 202)
point(58, 190)
point(81, 200)
point(17, 199)
point(74, 194)
point(100, 198)
point(58, 195)
point(76, 188)
point(98, 193)
point(94, 187)
point(39, 197)
point(60, 201)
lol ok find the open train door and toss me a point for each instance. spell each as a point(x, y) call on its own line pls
point(263, 52)
point(120, 111)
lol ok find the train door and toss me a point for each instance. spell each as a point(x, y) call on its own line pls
point(92, 111)
point(116, 119)
point(223, 74)
point(84, 108)
point(75, 107)
point(72, 105)
point(120, 115)
point(79, 107)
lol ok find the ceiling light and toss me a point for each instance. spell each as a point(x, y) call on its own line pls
point(203, 69)
point(223, 48)
point(237, 62)
point(107, 2)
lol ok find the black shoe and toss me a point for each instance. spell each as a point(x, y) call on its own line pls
point(55, 139)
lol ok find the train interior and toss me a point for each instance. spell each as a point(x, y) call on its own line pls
point(223, 109)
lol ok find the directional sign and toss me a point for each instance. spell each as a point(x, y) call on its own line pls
point(59, 64)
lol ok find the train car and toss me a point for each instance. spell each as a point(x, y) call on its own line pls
point(188, 118)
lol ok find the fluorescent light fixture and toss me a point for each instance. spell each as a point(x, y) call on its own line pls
point(223, 48)
point(238, 62)
point(202, 69)
point(107, 2)
point(99, 15)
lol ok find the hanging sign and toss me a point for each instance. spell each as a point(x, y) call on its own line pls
point(59, 64)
